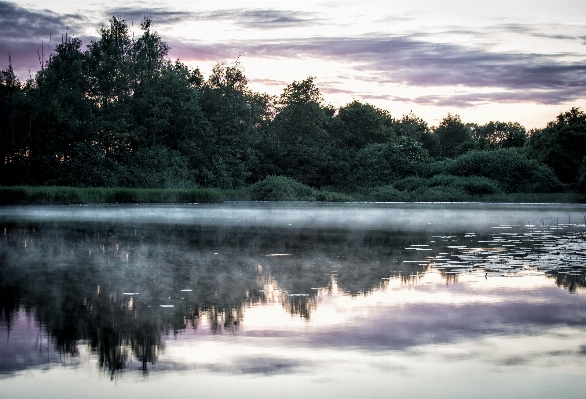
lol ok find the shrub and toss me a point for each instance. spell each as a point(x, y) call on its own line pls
point(443, 193)
point(473, 185)
point(411, 183)
point(389, 194)
point(330, 196)
point(280, 188)
point(382, 164)
point(514, 172)
point(450, 186)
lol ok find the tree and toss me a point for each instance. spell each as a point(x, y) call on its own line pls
point(15, 126)
point(65, 113)
point(61, 114)
point(499, 135)
point(363, 124)
point(110, 71)
point(303, 146)
point(450, 134)
point(561, 145)
point(509, 167)
point(382, 164)
point(411, 125)
point(234, 113)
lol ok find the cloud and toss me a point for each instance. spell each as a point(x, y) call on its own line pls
point(412, 60)
point(17, 23)
point(402, 328)
point(201, 51)
point(403, 60)
point(530, 30)
point(548, 97)
point(270, 82)
point(159, 16)
point(23, 32)
point(418, 63)
point(263, 19)
point(245, 18)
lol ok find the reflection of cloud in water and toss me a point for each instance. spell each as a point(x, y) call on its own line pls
point(353, 285)
point(239, 365)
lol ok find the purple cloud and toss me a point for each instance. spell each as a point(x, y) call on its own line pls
point(24, 33)
point(245, 18)
point(540, 78)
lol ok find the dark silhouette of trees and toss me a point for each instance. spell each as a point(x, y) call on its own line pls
point(303, 144)
point(121, 113)
point(562, 144)
point(451, 134)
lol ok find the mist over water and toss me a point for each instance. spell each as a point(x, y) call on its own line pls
point(357, 216)
point(294, 294)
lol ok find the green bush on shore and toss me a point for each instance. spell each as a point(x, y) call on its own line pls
point(390, 194)
point(280, 188)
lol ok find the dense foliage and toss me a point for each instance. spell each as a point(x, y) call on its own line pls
point(119, 113)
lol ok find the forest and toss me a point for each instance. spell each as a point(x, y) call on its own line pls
point(120, 113)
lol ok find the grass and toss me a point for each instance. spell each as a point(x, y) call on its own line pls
point(48, 195)
point(535, 198)
point(45, 195)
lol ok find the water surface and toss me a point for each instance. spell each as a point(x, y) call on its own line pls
point(293, 300)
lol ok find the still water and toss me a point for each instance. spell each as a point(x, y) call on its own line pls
point(293, 301)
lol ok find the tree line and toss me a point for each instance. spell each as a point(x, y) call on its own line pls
point(120, 113)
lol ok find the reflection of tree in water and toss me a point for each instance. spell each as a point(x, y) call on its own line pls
point(74, 278)
point(571, 282)
point(225, 319)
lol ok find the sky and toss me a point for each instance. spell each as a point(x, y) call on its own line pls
point(522, 61)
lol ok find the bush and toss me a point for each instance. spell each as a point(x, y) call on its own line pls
point(157, 167)
point(280, 188)
point(411, 183)
point(330, 196)
point(382, 164)
point(442, 194)
point(473, 185)
point(509, 168)
point(389, 194)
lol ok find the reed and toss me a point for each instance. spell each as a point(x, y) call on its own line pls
point(50, 195)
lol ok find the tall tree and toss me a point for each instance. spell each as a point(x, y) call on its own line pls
point(110, 71)
point(15, 127)
point(234, 113)
point(302, 143)
point(499, 135)
point(364, 124)
point(562, 144)
point(450, 134)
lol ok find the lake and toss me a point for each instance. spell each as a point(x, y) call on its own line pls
point(293, 300)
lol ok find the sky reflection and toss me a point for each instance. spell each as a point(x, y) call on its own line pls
point(160, 302)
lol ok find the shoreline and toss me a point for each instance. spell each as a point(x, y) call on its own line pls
point(52, 195)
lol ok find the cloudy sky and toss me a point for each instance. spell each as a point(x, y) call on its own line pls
point(519, 61)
